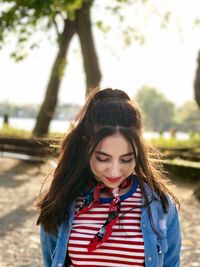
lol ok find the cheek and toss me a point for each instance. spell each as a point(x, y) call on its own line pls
point(131, 167)
point(95, 166)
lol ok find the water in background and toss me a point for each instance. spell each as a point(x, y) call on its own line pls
point(29, 123)
point(62, 126)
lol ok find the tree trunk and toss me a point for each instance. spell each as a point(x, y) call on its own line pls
point(90, 59)
point(197, 82)
point(48, 107)
point(81, 25)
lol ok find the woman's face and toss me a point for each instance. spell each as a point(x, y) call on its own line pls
point(113, 160)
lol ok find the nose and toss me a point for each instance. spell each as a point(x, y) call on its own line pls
point(115, 170)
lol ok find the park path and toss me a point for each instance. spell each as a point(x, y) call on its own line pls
point(20, 183)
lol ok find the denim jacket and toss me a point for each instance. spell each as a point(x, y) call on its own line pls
point(162, 249)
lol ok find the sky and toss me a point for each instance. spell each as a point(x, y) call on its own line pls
point(167, 60)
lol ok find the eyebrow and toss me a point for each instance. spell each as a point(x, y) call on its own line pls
point(105, 154)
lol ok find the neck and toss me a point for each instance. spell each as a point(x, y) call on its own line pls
point(122, 191)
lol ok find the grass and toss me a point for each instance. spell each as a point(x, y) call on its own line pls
point(193, 141)
point(172, 142)
point(194, 138)
point(10, 132)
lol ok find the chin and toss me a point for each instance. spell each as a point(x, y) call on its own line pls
point(112, 185)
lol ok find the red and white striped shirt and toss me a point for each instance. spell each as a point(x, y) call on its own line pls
point(125, 246)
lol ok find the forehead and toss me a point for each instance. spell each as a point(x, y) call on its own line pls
point(114, 144)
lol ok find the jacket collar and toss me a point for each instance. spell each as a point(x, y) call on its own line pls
point(151, 194)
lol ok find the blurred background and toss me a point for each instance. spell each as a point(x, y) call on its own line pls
point(52, 54)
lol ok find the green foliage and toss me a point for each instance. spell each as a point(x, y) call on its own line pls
point(101, 26)
point(26, 17)
point(130, 34)
point(7, 131)
point(194, 137)
point(162, 115)
point(157, 110)
point(193, 141)
point(187, 117)
point(11, 132)
point(130, 29)
point(166, 18)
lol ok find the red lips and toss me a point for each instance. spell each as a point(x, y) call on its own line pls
point(114, 179)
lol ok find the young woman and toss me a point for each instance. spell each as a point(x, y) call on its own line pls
point(107, 204)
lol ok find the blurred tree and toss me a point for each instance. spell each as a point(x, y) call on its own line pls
point(82, 25)
point(158, 112)
point(67, 17)
point(187, 117)
point(197, 98)
point(197, 82)
point(5, 119)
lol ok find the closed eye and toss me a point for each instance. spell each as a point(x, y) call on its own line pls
point(127, 160)
point(102, 159)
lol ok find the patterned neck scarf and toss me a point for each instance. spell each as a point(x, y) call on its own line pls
point(91, 200)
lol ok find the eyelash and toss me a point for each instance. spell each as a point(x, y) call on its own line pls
point(122, 160)
point(127, 160)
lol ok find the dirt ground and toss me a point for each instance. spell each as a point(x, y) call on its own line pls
point(20, 184)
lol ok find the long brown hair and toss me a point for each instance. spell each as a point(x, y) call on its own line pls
point(105, 113)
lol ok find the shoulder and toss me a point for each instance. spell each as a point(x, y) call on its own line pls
point(172, 211)
point(157, 205)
